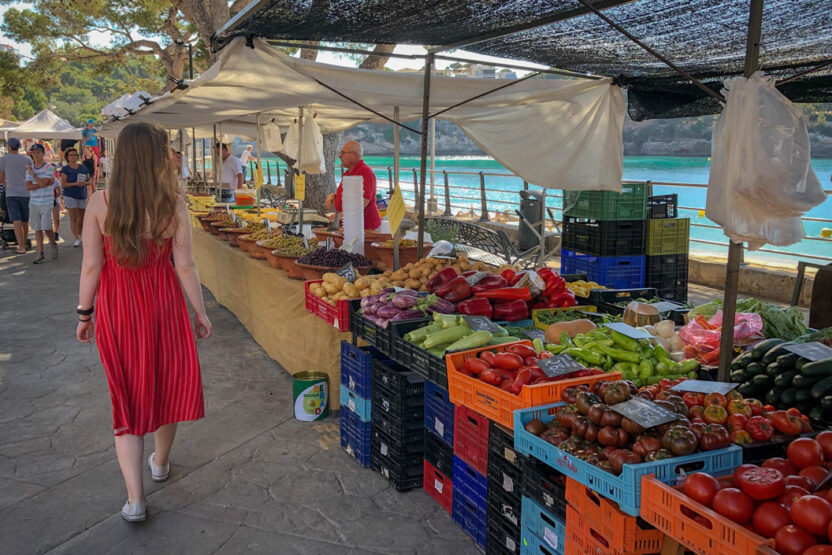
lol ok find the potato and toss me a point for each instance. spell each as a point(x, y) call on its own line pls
point(318, 290)
point(464, 265)
point(330, 277)
point(339, 296)
point(414, 284)
point(415, 274)
point(376, 287)
point(365, 293)
point(387, 273)
point(479, 266)
point(423, 287)
point(362, 283)
point(398, 283)
point(331, 288)
point(350, 290)
point(400, 275)
point(431, 275)
point(457, 268)
point(339, 283)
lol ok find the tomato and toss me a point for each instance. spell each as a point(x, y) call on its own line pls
point(717, 399)
point(740, 469)
point(488, 356)
point(813, 513)
point(829, 496)
point(701, 488)
point(815, 474)
point(762, 483)
point(476, 366)
point(793, 540)
point(770, 517)
point(696, 411)
point(491, 377)
point(756, 406)
point(507, 361)
point(715, 414)
point(800, 481)
point(792, 494)
point(780, 464)
point(522, 350)
point(819, 550)
point(737, 422)
point(825, 440)
point(786, 423)
point(804, 452)
point(739, 407)
point(741, 437)
point(734, 504)
point(692, 399)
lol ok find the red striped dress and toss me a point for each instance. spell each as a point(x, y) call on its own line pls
point(146, 343)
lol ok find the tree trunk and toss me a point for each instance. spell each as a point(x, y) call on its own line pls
point(319, 186)
point(309, 53)
point(378, 61)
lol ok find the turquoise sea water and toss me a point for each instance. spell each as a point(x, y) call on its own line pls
point(465, 194)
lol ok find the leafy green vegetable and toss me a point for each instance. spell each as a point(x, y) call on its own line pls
point(783, 323)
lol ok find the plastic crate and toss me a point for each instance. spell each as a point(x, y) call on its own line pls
point(758, 452)
point(470, 500)
point(471, 438)
point(499, 405)
point(538, 312)
point(439, 413)
point(501, 444)
point(545, 486)
point(626, 488)
point(470, 518)
point(409, 453)
point(370, 332)
point(541, 531)
point(662, 206)
point(623, 532)
point(439, 486)
point(415, 358)
point(403, 478)
point(357, 367)
point(583, 538)
point(337, 315)
point(356, 437)
point(629, 204)
point(401, 430)
point(352, 402)
point(502, 537)
point(669, 236)
point(612, 296)
point(668, 274)
point(604, 238)
point(469, 482)
point(504, 476)
point(440, 455)
point(502, 505)
point(393, 406)
point(619, 272)
point(397, 379)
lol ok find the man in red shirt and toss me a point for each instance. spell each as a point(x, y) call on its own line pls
point(352, 158)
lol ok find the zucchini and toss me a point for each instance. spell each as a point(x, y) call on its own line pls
point(788, 360)
point(822, 388)
point(817, 412)
point(787, 399)
point(776, 351)
point(738, 376)
point(773, 396)
point(762, 382)
point(821, 368)
point(826, 402)
point(802, 396)
point(801, 362)
point(746, 389)
point(785, 379)
point(742, 361)
point(764, 346)
point(802, 380)
point(755, 368)
point(774, 369)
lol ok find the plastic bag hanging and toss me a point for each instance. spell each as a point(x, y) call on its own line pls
point(312, 149)
point(270, 134)
point(290, 143)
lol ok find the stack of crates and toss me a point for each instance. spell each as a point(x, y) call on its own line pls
point(668, 246)
point(604, 235)
point(470, 474)
point(504, 492)
point(439, 445)
point(356, 389)
point(398, 444)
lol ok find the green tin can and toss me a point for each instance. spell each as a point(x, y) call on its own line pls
point(310, 392)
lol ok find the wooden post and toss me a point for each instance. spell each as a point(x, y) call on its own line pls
point(447, 194)
point(396, 151)
point(420, 197)
point(259, 162)
point(483, 200)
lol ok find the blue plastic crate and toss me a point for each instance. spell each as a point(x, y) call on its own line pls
point(357, 367)
point(470, 483)
point(439, 412)
point(469, 504)
point(356, 436)
point(540, 529)
point(351, 401)
point(626, 488)
point(616, 272)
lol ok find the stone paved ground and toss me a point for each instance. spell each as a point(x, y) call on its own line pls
point(247, 478)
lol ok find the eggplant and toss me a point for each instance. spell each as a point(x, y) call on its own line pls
point(405, 301)
point(408, 315)
point(367, 301)
point(388, 312)
point(443, 307)
point(410, 292)
point(386, 292)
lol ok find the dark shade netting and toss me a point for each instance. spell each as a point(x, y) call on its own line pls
point(707, 38)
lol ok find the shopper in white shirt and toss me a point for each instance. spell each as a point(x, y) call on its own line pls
point(232, 172)
point(246, 157)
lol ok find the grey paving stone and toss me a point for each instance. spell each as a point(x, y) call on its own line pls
point(14, 491)
point(250, 540)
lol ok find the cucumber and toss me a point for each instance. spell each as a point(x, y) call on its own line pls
point(822, 388)
point(773, 396)
point(742, 361)
point(826, 402)
point(787, 399)
point(802, 396)
point(820, 368)
point(774, 369)
point(801, 362)
point(755, 368)
point(764, 346)
point(802, 380)
point(776, 351)
point(785, 379)
point(817, 412)
point(738, 376)
point(762, 382)
point(746, 389)
point(788, 360)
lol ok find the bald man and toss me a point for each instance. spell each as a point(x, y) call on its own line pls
point(352, 158)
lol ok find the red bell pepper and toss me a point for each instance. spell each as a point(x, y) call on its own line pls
point(507, 274)
point(455, 290)
point(488, 283)
point(506, 294)
point(442, 276)
point(475, 307)
point(511, 311)
point(554, 283)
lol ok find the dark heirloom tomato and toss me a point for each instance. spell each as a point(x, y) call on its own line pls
point(812, 513)
point(762, 483)
point(620, 457)
point(631, 426)
point(701, 488)
point(647, 443)
point(734, 504)
point(770, 517)
point(679, 440)
point(713, 437)
point(793, 540)
point(615, 392)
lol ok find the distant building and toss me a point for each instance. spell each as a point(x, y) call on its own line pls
point(506, 74)
point(9, 48)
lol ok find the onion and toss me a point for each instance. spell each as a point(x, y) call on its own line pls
point(677, 356)
point(676, 342)
point(665, 328)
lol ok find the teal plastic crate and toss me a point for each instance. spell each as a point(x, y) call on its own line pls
point(630, 204)
point(355, 403)
point(540, 530)
point(626, 488)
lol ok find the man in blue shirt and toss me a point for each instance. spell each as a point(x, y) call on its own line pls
point(90, 137)
point(13, 170)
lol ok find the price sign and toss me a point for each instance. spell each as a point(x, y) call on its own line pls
point(300, 187)
point(268, 223)
point(702, 386)
point(666, 306)
point(644, 412)
point(812, 351)
point(534, 334)
point(347, 271)
point(628, 330)
point(481, 323)
point(559, 365)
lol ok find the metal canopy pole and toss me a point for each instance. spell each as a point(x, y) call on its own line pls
point(259, 166)
point(300, 171)
point(420, 247)
point(732, 274)
point(396, 151)
point(214, 166)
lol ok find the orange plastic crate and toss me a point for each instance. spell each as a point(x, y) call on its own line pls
point(584, 538)
point(625, 533)
point(499, 405)
point(337, 315)
point(674, 513)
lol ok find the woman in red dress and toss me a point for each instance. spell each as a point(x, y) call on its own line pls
point(142, 326)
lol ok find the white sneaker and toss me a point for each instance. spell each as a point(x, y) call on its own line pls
point(77, 243)
point(158, 473)
point(134, 512)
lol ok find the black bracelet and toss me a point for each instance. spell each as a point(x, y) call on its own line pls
point(85, 311)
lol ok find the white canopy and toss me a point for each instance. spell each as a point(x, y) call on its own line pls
point(557, 133)
point(126, 104)
point(46, 125)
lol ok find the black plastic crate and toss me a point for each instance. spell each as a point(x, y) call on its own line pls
point(504, 476)
point(660, 207)
point(501, 443)
point(403, 478)
point(401, 430)
point(373, 334)
point(396, 453)
point(544, 485)
point(439, 413)
point(402, 408)
point(668, 274)
point(415, 358)
point(604, 238)
point(598, 297)
point(398, 379)
point(504, 506)
point(439, 454)
point(501, 537)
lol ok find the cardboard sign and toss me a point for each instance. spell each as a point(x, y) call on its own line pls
point(268, 223)
point(702, 386)
point(558, 365)
point(812, 351)
point(628, 330)
point(535, 334)
point(481, 323)
point(300, 187)
point(644, 412)
point(347, 271)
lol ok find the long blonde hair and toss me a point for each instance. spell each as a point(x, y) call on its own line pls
point(143, 192)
